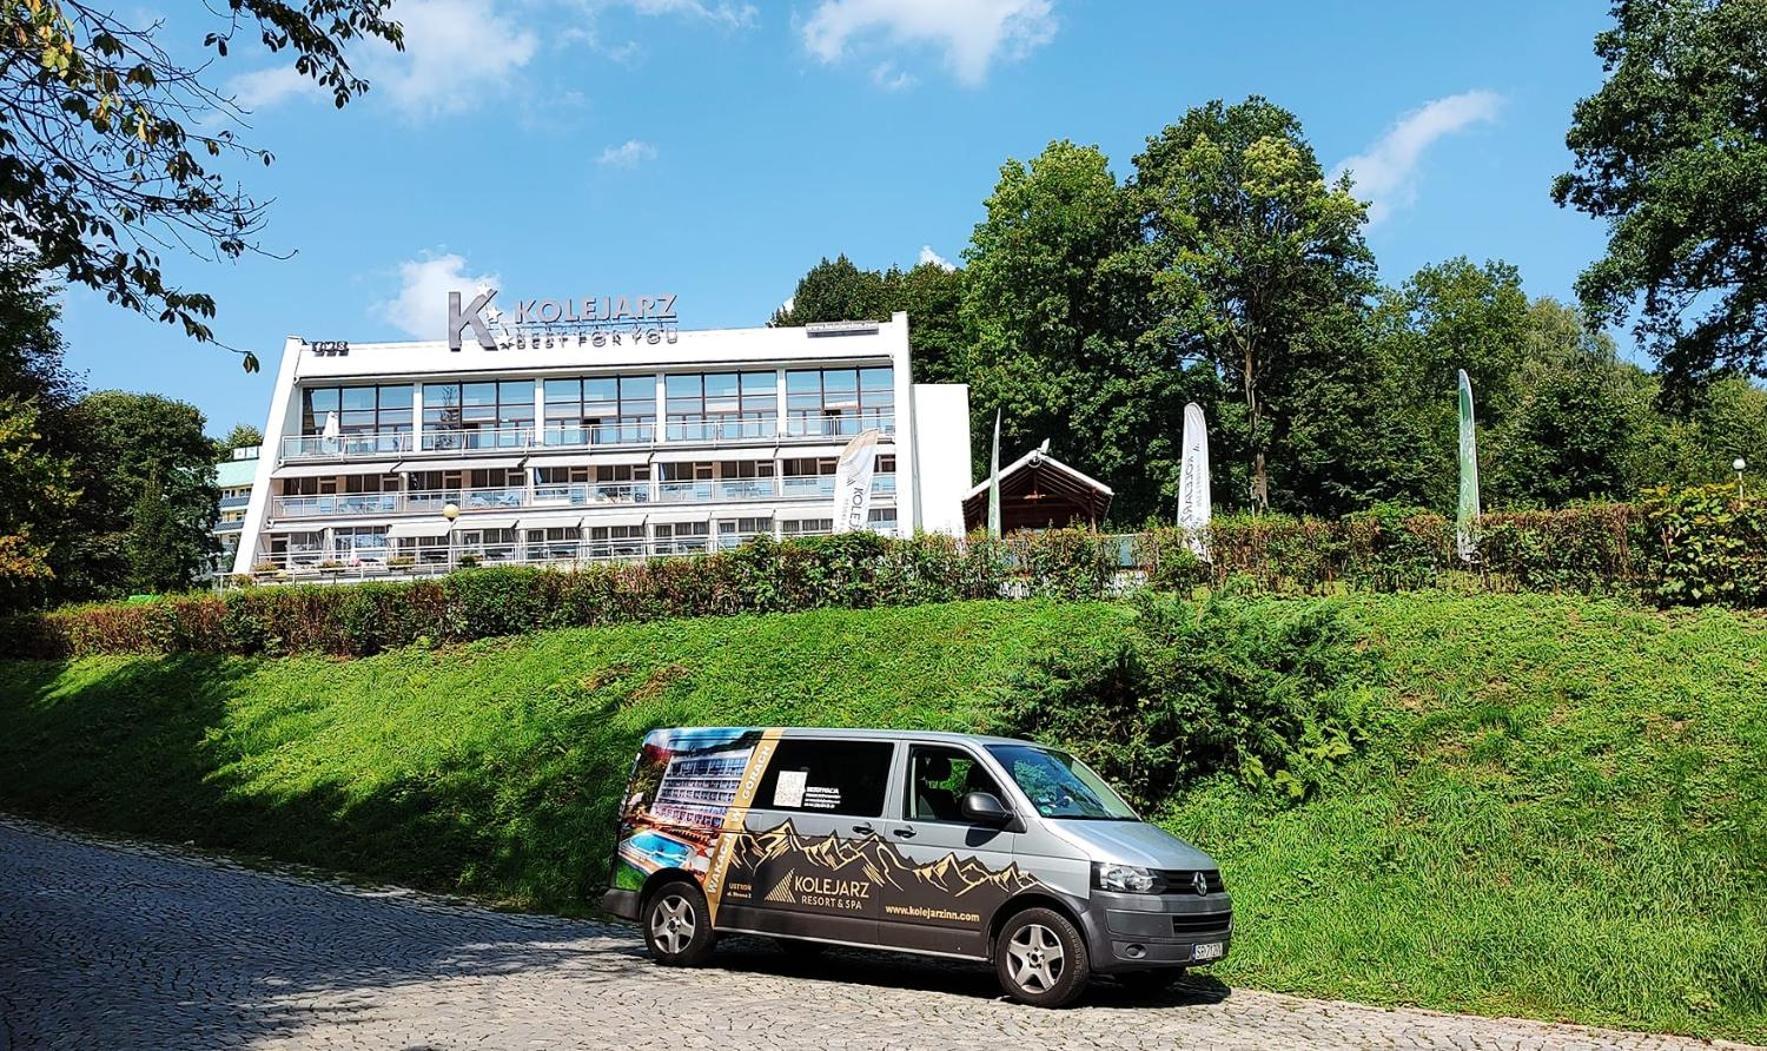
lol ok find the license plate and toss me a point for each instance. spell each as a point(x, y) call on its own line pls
point(1207, 951)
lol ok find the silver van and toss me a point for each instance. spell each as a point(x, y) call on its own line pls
point(977, 848)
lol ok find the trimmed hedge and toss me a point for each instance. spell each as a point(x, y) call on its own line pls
point(1691, 547)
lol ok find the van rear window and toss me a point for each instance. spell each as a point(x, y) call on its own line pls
point(846, 778)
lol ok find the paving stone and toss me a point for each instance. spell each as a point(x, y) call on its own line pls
point(122, 945)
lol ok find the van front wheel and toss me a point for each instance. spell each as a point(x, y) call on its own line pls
point(677, 927)
point(1040, 959)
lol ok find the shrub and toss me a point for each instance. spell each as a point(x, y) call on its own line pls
point(1200, 689)
point(1706, 546)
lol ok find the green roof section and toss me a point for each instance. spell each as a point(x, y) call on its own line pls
point(231, 474)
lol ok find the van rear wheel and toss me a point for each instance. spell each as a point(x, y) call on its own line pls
point(677, 924)
point(1040, 958)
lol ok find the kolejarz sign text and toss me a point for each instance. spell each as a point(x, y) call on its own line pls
point(596, 320)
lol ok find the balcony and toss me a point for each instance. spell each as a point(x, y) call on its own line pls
point(637, 430)
point(826, 425)
point(566, 494)
point(381, 563)
point(714, 431)
point(362, 446)
point(718, 429)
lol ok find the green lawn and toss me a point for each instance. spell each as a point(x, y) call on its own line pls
point(1564, 814)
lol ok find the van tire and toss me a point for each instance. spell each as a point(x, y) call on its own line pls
point(677, 925)
point(1040, 959)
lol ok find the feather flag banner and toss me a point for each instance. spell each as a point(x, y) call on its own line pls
point(994, 481)
point(1194, 502)
point(1466, 518)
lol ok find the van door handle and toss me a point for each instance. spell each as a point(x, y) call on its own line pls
point(864, 830)
point(905, 833)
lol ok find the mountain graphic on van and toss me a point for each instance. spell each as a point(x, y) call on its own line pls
point(881, 862)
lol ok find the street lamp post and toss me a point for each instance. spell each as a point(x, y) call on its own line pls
point(450, 511)
point(1739, 465)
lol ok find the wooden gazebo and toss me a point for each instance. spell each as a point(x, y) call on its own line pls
point(1037, 491)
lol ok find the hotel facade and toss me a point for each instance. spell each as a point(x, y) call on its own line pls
point(566, 437)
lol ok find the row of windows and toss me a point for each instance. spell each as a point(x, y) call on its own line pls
point(610, 474)
point(694, 402)
point(849, 778)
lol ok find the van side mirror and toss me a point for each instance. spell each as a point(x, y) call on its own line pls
point(984, 808)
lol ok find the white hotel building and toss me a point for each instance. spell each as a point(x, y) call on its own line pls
point(564, 444)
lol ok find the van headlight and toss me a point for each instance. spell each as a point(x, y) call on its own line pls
point(1110, 876)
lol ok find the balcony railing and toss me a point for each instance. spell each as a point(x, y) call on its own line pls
point(347, 446)
point(638, 430)
point(427, 559)
point(712, 427)
point(712, 430)
point(565, 494)
point(479, 439)
point(846, 425)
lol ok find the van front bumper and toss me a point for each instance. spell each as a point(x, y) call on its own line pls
point(1135, 932)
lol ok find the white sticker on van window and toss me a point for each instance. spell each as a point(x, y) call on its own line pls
point(822, 798)
point(789, 790)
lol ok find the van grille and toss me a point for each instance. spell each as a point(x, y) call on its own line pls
point(1183, 881)
point(1203, 923)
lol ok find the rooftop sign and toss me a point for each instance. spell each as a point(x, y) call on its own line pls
point(597, 321)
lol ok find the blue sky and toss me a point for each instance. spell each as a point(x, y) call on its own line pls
point(717, 149)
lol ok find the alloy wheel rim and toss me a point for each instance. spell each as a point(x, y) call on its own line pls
point(1035, 958)
point(672, 923)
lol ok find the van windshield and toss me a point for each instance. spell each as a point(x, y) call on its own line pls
point(1059, 785)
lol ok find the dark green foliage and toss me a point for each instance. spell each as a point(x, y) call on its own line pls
point(928, 293)
point(1708, 547)
point(1195, 690)
point(1672, 152)
point(1673, 549)
point(127, 443)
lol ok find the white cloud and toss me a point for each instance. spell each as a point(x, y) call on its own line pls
point(457, 52)
point(1386, 173)
point(262, 88)
point(927, 255)
point(886, 76)
point(421, 307)
point(628, 154)
point(972, 33)
point(725, 12)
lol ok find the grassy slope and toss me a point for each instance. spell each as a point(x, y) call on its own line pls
point(1563, 818)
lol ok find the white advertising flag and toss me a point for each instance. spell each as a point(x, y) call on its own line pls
point(852, 483)
point(1194, 503)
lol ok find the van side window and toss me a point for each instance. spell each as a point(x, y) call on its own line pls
point(847, 778)
point(939, 778)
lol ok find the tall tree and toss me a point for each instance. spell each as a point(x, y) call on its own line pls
point(36, 495)
point(1672, 152)
point(135, 440)
point(1056, 297)
point(242, 436)
point(112, 149)
point(838, 290)
point(1260, 265)
point(835, 290)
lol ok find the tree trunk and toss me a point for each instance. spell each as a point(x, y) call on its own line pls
point(1260, 479)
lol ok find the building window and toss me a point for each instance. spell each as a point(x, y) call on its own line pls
point(488, 545)
point(556, 544)
point(487, 415)
point(839, 401)
point(384, 410)
point(682, 538)
point(720, 406)
point(625, 541)
point(809, 477)
point(806, 527)
point(601, 410)
point(733, 532)
point(883, 520)
point(359, 543)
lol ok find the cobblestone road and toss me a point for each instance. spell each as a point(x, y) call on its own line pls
point(122, 946)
